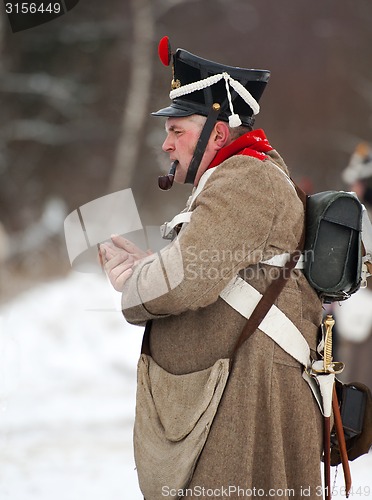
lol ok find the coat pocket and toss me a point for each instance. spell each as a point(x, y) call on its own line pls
point(174, 414)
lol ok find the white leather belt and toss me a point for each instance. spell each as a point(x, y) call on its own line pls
point(243, 297)
point(167, 229)
point(281, 260)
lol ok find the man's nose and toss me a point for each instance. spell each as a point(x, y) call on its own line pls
point(168, 145)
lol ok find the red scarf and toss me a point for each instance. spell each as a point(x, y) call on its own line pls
point(252, 143)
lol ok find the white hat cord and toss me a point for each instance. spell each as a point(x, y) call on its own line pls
point(234, 119)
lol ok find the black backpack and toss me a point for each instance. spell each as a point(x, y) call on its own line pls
point(333, 244)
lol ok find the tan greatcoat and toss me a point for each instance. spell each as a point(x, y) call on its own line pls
point(267, 433)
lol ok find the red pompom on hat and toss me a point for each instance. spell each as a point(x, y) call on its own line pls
point(164, 50)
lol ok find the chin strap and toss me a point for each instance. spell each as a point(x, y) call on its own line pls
point(202, 143)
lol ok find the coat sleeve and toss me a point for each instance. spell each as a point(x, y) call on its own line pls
point(228, 231)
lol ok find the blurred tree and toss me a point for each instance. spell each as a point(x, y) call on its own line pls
point(145, 14)
point(138, 95)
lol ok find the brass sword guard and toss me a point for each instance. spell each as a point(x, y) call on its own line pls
point(329, 365)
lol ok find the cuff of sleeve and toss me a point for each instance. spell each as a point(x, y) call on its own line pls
point(133, 302)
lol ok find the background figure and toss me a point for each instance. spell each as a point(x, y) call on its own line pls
point(354, 316)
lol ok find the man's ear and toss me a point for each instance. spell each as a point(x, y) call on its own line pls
point(221, 135)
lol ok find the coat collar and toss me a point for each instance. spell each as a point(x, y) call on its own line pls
point(252, 143)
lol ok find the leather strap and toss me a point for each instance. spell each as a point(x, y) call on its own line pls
point(145, 348)
point(327, 457)
point(268, 298)
point(280, 259)
point(243, 298)
point(202, 144)
point(341, 441)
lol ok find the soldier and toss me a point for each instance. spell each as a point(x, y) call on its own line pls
point(204, 427)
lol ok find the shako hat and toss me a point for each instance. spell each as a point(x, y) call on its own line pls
point(198, 83)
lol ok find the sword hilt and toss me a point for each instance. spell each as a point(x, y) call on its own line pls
point(329, 324)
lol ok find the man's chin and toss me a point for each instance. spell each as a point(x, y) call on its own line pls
point(180, 178)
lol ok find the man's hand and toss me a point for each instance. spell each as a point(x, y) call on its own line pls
point(119, 258)
point(128, 246)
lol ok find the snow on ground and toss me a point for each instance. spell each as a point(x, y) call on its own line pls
point(67, 389)
point(67, 396)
